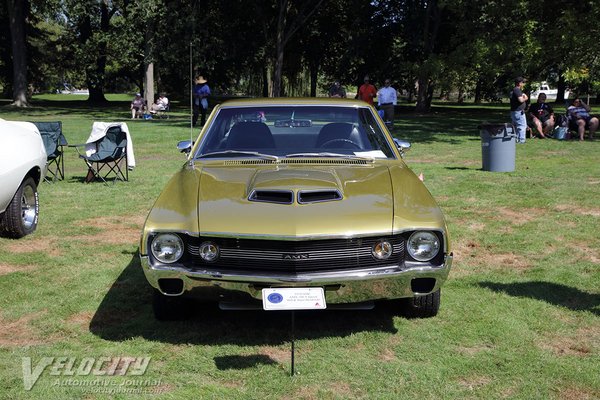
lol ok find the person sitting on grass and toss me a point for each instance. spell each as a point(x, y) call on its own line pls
point(580, 118)
point(542, 116)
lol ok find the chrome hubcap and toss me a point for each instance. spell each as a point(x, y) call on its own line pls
point(28, 207)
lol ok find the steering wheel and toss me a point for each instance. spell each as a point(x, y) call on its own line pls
point(358, 147)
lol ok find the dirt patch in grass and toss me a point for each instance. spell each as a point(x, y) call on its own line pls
point(20, 332)
point(82, 319)
point(575, 393)
point(518, 217)
point(583, 343)
point(573, 209)
point(473, 350)
point(585, 253)
point(36, 244)
point(470, 256)
point(474, 382)
point(6, 269)
point(113, 230)
point(279, 354)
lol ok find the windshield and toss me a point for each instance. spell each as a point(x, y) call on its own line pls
point(295, 131)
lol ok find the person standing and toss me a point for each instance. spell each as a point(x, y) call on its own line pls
point(387, 99)
point(366, 92)
point(201, 93)
point(337, 91)
point(518, 103)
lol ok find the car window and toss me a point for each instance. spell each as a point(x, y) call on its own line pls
point(295, 131)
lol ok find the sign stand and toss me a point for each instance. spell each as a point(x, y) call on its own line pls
point(292, 299)
point(293, 339)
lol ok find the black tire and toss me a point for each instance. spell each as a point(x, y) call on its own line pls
point(169, 308)
point(21, 215)
point(422, 306)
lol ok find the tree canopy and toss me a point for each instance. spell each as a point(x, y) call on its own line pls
point(298, 47)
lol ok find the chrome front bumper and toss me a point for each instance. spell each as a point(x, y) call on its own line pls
point(340, 286)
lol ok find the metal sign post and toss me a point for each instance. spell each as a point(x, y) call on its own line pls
point(312, 298)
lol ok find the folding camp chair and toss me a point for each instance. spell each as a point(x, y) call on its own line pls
point(54, 141)
point(109, 156)
point(164, 114)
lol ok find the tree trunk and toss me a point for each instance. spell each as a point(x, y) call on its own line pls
point(19, 54)
point(148, 63)
point(149, 84)
point(314, 76)
point(422, 94)
point(279, 49)
point(560, 89)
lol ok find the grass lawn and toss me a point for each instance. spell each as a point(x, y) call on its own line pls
point(520, 313)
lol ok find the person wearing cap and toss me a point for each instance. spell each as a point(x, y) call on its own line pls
point(137, 106)
point(518, 103)
point(366, 92)
point(337, 91)
point(201, 93)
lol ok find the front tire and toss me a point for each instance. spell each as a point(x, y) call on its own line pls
point(422, 306)
point(21, 215)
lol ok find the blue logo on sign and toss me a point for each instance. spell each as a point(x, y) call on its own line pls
point(275, 298)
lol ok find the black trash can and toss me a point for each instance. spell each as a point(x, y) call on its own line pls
point(498, 147)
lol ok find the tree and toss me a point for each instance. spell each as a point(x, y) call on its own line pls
point(17, 10)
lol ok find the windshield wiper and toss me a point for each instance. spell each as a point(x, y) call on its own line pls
point(240, 153)
point(327, 154)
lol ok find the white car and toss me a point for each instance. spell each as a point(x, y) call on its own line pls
point(550, 93)
point(22, 168)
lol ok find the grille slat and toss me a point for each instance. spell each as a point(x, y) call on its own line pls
point(293, 257)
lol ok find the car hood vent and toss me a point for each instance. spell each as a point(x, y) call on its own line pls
point(299, 161)
point(318, 196)
point(272, 196)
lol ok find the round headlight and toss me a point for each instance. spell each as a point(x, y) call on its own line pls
point(423, 246)
point(382, 250)
point(209, 251)
point(167, 248)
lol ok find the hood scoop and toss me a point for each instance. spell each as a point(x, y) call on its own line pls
point(272, 196)
point(318, 196)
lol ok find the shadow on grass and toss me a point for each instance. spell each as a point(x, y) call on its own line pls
point(126, 312)
point(553, 293)
point(242, 362)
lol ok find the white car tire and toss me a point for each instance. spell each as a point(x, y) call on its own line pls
point(21, 215)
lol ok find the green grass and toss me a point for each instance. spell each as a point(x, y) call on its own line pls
point(520, 314)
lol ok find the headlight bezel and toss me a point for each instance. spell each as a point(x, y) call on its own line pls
point(434, 237)
point(172, 237)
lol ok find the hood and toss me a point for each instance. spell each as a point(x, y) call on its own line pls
point(295, 201)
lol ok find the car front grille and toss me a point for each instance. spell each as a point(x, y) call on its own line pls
point(288, 257)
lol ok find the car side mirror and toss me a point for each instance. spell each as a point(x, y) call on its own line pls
point(402, 145)
point(185, 146)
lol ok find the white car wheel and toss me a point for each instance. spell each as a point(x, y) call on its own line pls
point(21, 215)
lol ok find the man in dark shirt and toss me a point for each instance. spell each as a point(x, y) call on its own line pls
point(518, 103)
point(542, 116)
point(337, 90)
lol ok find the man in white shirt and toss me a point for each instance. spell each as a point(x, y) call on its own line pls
point(387, 99)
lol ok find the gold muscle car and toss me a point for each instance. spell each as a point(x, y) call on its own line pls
point(295, 193)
